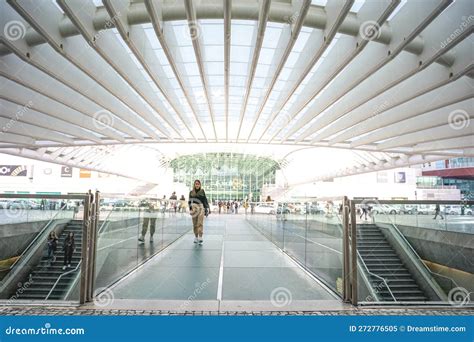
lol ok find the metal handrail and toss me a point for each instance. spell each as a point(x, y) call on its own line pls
point(359, 257)
point(37, 237)
point(59, 278)
point(414, 252)
point(44, 196)
point(376, 201)
point(102, 227)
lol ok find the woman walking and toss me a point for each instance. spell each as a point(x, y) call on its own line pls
point(198, 208)
point(68, 249)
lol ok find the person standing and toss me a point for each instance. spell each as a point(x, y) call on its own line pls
point(198, 208)
point(149, 219)
point(173, 201)
point(182, 204)
point(68, 248)
point(438, 212)
point(365, 211)
point(246, 205)
point(52, 245)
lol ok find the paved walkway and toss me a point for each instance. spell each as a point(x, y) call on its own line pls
point(57, 311)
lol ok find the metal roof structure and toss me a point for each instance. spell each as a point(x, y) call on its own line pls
point(390, 80)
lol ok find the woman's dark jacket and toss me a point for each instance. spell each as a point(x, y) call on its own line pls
point(198, 197)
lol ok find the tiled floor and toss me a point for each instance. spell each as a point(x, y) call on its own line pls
point(236, 264)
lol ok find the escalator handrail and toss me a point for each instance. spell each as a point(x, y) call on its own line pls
point(399, 233)
point(60, 276)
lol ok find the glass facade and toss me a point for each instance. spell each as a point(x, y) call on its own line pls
point(226, 176)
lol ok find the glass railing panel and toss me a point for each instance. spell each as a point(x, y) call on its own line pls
point(292, 218)
point(324, 241)
point(117, 250)
point(132, 231)
point(308, 231)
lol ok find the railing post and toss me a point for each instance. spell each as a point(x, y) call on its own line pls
point(353, 253)
point(345, 250)
point(86, 222)
point(93, 246)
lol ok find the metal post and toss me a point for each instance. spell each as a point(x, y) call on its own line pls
point(353, 253)
point(93, 245)
point(84, 252)
point(345, 250)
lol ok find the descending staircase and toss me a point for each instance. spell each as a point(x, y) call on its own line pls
point(44, 275)
point(381, 259)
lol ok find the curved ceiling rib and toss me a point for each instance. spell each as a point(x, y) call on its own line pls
point(389, 79)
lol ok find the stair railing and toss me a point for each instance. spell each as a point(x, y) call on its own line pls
point(361, 261)
point(366, 269)
point(60, 277)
